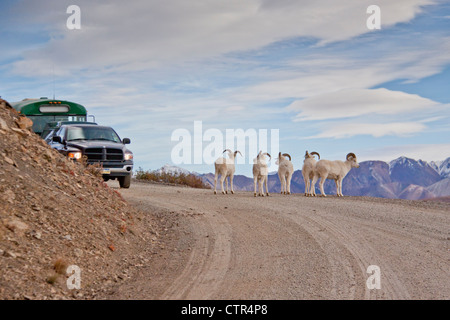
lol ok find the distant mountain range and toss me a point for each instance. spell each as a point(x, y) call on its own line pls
point(402, 178)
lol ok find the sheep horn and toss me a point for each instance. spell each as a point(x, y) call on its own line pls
point(287, 155)
point(318, 155)
point(351, 155)
point(265, 153)
point(226, 150)
point(237, 151)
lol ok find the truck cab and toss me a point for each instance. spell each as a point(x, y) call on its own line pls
point(99, 145)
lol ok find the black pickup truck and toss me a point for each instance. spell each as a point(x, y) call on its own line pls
point(100, 145)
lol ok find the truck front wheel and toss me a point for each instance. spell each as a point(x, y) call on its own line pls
point(125, 181)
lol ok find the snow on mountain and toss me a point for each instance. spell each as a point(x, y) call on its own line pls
point(444, 168)
point(409, 171)
point(172, 170)
point(435, 165)
point(406, 162)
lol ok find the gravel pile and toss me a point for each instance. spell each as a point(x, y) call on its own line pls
point(55, 213)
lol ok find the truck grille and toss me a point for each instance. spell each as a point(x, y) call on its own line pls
point(104, 154)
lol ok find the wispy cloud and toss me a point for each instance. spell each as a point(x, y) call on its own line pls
point(426, 152)
point(375, 63)
point(358, 102)
point(157, 33)
point(377, 130)
point(308, 68)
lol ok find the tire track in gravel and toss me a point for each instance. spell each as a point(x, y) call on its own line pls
point(293, 247)
point(208, 262)
point(209, 254)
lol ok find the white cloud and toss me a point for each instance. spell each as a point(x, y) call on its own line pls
point(426, 152)
point(358, 102)
point(370, 65)
point(148, 34)
point(374, 112)
point(148, 67)
point(377, 130)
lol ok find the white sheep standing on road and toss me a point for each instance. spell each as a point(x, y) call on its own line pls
point(226, 168)
point(285, 172)
point(309, 165)
point(260, 172)
point(336, 170)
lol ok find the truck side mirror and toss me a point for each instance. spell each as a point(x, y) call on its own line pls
point(57, 139)
point(126, 141)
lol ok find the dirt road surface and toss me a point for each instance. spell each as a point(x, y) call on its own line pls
point(288, 247)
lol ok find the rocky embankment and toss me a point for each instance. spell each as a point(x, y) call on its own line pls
point(55, 213)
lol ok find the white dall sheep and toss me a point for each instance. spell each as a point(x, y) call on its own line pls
point(285, 172)
point(225, 167)
point(260, 172)
point(336, 170)
point(309, 165)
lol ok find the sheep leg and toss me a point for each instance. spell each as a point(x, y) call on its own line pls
point(261, 186)
point(222, 178)
point(254, 182)
point(313, 186)
point(289, 183)
point(226, 183)
point(267, 189)
point(340, 188)
point(306, 186)
point(322, 181)
point(281, 182)
point(231, 183)
point(215, 183)
point(338, 191)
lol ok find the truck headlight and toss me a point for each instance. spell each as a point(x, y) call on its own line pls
point(128, 156)
point(75, 155)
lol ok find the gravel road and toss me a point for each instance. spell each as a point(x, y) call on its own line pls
point(289, 247)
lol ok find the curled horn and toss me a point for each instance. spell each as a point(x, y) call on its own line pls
point(287, 155)
point(226, 150)
point(351, 155)
point(265, 153)
point(318, 155)
point(237, 151)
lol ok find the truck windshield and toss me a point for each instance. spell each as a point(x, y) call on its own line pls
point(92, 133)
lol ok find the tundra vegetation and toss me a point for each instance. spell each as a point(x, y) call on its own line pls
point(180, 178)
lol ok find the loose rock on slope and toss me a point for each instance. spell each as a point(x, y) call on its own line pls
point(55, 213)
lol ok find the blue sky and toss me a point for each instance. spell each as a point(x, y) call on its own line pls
point(311, 70)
